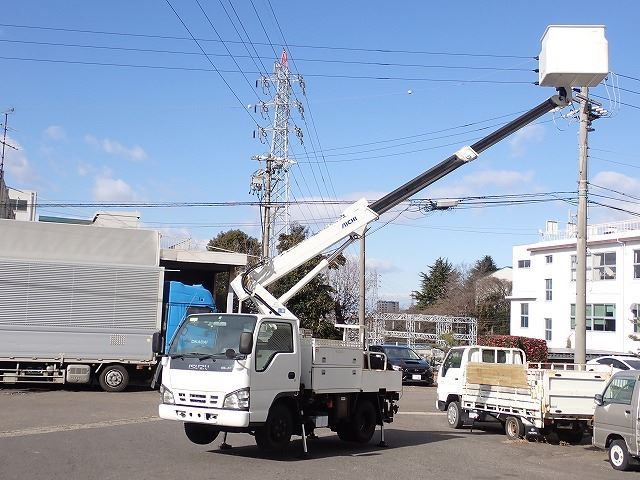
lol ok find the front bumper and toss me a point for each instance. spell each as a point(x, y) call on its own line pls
point(210, 416)
point(417, 377)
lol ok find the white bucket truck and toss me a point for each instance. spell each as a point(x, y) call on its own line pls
point(255, 373)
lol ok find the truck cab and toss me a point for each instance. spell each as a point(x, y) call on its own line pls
point(616, 419)
point(451, 373)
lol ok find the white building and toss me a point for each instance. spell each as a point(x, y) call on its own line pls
point(387, 306)
point(23, 204)
point(544, 287)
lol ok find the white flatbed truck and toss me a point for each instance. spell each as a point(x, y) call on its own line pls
point(551, 400)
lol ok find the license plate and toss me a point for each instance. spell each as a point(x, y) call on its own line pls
point(416, 377)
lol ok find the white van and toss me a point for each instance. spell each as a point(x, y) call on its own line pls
point(451, 377)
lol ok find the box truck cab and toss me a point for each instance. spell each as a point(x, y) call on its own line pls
point(616, 424)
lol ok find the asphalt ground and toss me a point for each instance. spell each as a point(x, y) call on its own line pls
point(88, 434)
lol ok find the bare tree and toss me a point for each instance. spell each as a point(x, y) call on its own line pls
point(345, 281)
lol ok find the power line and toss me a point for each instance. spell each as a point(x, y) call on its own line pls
point(220, 71)
point(614, 191)
point(619, 102)
point(619, 209)
point(613, 161)
point(322, 47)
point(629, 77)
point(253, 57)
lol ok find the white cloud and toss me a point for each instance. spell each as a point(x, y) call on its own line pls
point(84, 169)
point(533, 133)
point(613, 181)
point(479, 182)
point(55, 132)
point(106, 188)
point(381, 266)
point(112, 147)
point(16, 164)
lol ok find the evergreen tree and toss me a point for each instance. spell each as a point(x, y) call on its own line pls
point(433, 286)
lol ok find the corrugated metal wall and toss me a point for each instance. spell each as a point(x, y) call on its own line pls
point(78, 295)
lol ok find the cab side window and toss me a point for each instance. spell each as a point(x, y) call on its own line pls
point(273, 338)
point(620, 390)
point(488, 356)
point(453, 360)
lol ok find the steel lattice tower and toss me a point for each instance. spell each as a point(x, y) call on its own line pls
point(271, 180)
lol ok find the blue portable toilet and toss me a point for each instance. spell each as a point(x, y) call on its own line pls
point(183, 300)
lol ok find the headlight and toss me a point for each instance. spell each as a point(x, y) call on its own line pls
point(167, 395)
point(238, 400)
point(397, 368)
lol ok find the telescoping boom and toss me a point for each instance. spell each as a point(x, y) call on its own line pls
point(354, 220)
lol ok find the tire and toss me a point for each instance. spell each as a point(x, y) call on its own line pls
point(454, 415)
point(364, 421)
point(619, 457)
point(345, 432)
point(113, 378)
point(514, 428)
point(276, 433)
point(201, 434)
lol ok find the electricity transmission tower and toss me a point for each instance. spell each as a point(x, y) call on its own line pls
point(271, 181)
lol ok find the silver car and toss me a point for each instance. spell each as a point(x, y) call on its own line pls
point(616, 422)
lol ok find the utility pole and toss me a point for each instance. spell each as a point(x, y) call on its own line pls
point(363, 288)
point(580, 353)
point(4, 140)
point(271, 183)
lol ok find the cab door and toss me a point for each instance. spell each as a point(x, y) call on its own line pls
point(619, 413)
point(450, 379)
point(275, 368)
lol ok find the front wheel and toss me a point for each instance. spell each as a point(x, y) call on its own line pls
point(619, 457)
point(200, 434)
point(454, 415)
point(113, 378)
point(276, 433)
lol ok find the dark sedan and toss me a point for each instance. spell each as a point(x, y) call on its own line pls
point(413, 367)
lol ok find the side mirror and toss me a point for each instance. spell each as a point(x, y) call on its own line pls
point(156, 343)
point(598, 399)
point(246, 343)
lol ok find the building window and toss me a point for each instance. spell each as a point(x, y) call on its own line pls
point(636, 264)
point(524, 315)
point(574, 264)
point(548, 259)
point(547, 329)
point(604, 266)
point(548, 289)
point(600, 317)
point(635, 317)
point(524, 263)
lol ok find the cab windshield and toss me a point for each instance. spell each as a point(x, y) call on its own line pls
point(211, 334)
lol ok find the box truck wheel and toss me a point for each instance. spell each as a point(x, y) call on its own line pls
point(200, 434)
point(363, 422)
point(113, 378)
point(277, 430)
point(619, 455)
point(514, 428)
point(454, 415)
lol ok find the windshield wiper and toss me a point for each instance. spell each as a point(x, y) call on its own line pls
point(183, 355)
point(208, 357)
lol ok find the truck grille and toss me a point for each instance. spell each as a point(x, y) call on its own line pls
point(198, 399)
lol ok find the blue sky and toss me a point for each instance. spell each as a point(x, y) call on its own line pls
point(177, 132)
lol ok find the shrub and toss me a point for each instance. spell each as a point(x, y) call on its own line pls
point(535, 348)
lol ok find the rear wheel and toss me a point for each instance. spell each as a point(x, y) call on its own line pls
point(200, 434)
point(619, 455)
point(345, 432)
point(454, 415)
point(514, 428)
point(276, 433)
point(113, 378)
point(363, 422)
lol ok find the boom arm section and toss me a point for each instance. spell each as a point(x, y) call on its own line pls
point(353, 222)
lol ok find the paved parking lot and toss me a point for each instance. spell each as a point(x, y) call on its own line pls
point(62, 434)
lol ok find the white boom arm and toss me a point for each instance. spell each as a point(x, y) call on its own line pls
point(354, 220)
point(351, 225)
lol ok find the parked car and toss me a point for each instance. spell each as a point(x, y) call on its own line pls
point(402, 358)
point(617, 362)
point(615, 425)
